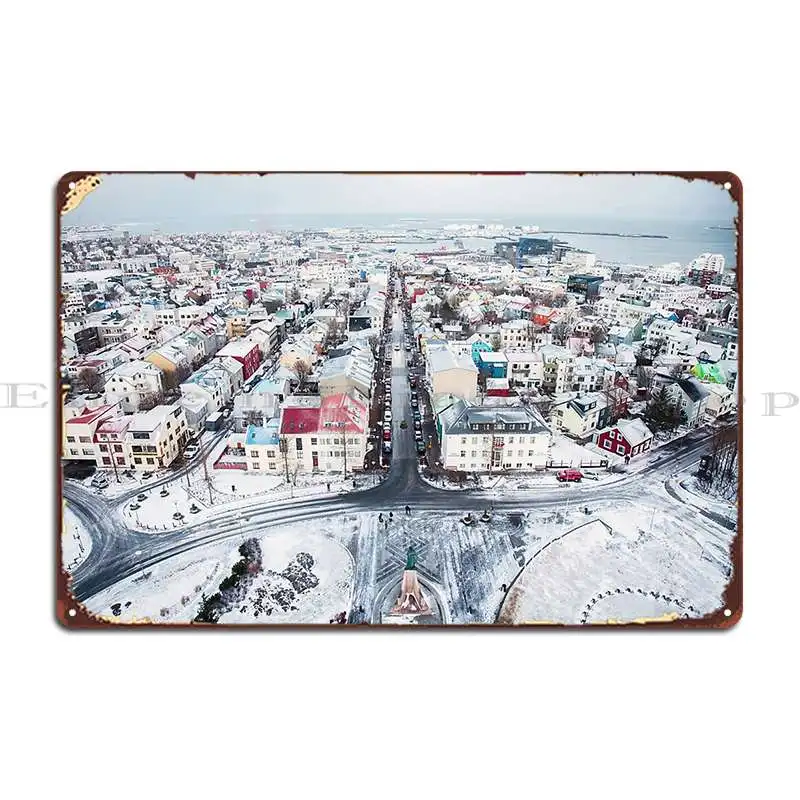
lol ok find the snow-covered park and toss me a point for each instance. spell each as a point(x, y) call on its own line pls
point(624, 564)
point(306, 577)
point(75, 540)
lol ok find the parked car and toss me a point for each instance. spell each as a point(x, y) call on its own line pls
point(191, 451)
point(397, 347)
point(387, 416)
point(568, 475)
point(387, 435)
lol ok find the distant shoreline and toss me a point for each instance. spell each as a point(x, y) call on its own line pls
point(618, 235)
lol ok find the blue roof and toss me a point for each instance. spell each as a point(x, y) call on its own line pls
point(266, 435)
point(269, 385)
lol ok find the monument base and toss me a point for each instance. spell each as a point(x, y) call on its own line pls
point(411, 599)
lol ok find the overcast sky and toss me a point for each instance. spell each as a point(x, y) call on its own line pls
point(149, 198)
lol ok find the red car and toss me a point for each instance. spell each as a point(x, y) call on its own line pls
point(387, 435)
point(569, 475)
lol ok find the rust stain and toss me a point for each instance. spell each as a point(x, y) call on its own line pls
point(77, 190)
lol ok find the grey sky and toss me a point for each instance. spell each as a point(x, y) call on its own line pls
point(149, 198)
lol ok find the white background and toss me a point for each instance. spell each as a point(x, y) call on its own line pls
point(100, 86)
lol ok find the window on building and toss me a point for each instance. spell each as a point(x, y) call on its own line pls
point(298, 443)
point(256, 465)
point(150, 461)
point(70, 438)
point(313, 442)
point(84, 439)
point(621, 449)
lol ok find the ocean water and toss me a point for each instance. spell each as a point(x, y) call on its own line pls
point(686, 238)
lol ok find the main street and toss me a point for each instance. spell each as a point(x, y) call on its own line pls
point(118, 551)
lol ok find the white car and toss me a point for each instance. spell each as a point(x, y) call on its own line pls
point(387, 416)
point(397, 348)
point(191, 451)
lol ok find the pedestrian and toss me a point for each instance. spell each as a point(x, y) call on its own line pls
point(380, 517)
point(408, 511)
point(391, 515)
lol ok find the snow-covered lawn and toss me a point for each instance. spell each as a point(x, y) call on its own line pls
point(156, 512)
point(167, 592)
point(172, 591)
point(75, 540)
point(565, 451)
point(275, 599)
point(625, 564)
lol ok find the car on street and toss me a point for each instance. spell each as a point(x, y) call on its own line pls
point(387, 435)
point(387, 416)
point(397, 347)
point(420, 446)
point(569, 475)
point(191, 451)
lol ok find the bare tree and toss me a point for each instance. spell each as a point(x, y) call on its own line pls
point(644, 378)
point(254, 417)
point(720, 474)
point(150, 400)
point(301, 370)
point(91, 380)
point(617, 402)
point(561, 332)
point(283, 446)
point(597, 335)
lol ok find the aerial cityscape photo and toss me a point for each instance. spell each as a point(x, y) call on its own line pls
point(387, 399)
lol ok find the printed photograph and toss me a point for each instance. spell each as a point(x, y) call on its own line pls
point(399, 400)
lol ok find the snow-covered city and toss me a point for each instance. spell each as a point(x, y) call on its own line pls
point(400, 421)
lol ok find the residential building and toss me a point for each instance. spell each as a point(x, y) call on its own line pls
point(688, 393)
point(246, 352)
point(487, 438)
point(80, 429)
point(627, 438)
point(316, 435)
point(132, 384)
point(721, 400)
point(156, 437)
point(525, 370)
point(579, 415)
point(109, 438)
point(450, 374)
point(516, 335)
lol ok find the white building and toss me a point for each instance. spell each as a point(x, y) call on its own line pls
point(492, 438)
point(711, 261)
point(155, 438)
point(132, 383)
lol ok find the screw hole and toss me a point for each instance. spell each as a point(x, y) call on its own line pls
point(71, 184)
point(72, 612)
point(726, 186)
point(727, 612)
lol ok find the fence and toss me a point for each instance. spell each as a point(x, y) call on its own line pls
point(602, 463)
